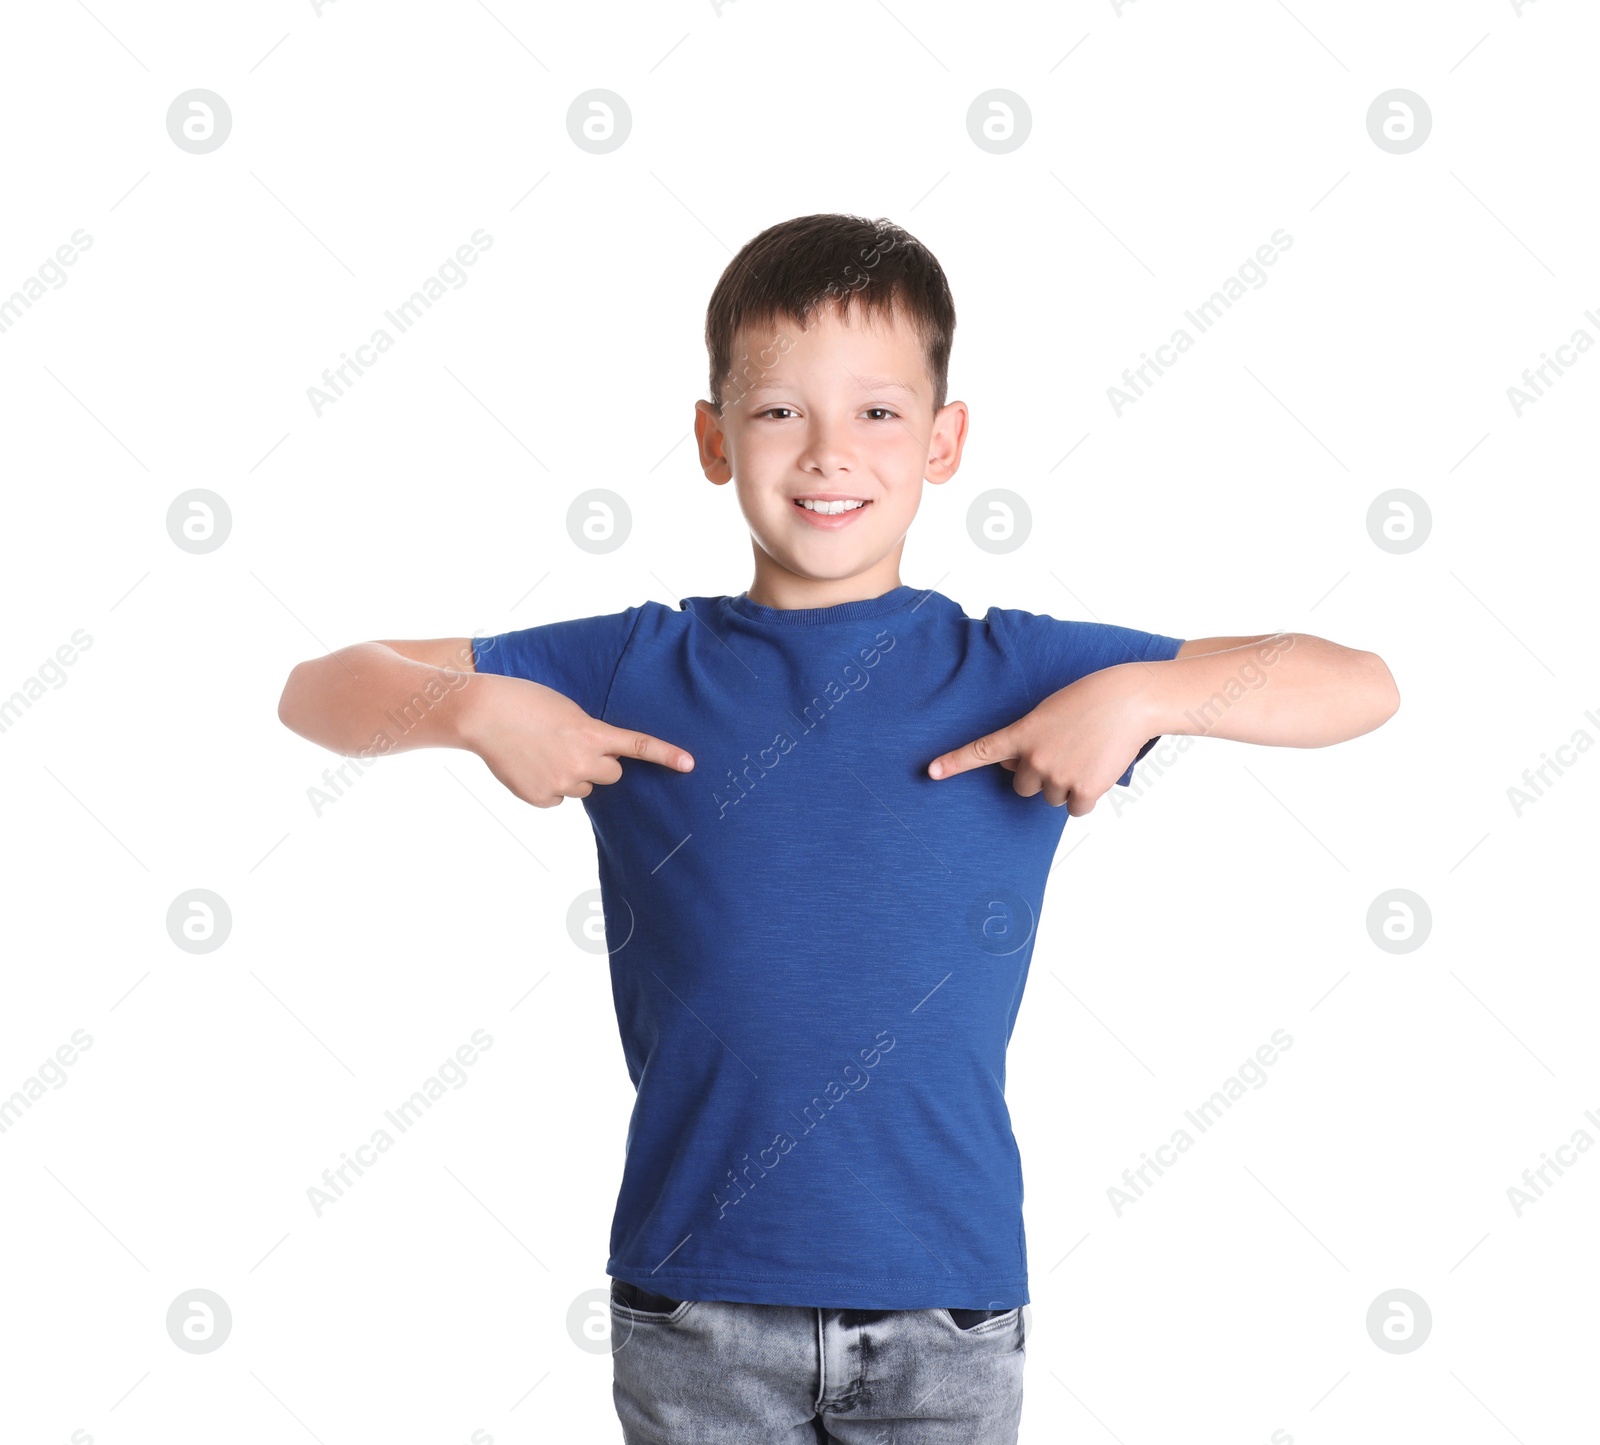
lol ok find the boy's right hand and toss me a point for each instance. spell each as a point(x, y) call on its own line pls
point(544, 747)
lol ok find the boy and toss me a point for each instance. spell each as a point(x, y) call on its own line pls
point(820, 892)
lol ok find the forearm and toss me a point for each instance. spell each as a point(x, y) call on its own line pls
point(1290, 690)
point(367, 699)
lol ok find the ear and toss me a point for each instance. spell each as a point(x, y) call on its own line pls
point(945, 442)
point(713, 443)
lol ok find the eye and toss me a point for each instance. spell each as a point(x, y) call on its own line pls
point(771, 409)
point(885, 410)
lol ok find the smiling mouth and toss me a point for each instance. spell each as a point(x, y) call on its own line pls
point(827, 508)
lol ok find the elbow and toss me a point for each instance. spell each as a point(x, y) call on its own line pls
point(1385, 691)
point(289, 700)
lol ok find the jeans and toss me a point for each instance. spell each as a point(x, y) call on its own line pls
point(710, 1372)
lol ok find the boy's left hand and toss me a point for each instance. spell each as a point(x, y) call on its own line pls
point(1072, 747)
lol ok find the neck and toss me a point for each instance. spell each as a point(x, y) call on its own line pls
point(778, 586)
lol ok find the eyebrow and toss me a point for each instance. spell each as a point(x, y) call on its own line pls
point(872, 383)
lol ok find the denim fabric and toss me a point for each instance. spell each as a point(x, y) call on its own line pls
point(711, 1372)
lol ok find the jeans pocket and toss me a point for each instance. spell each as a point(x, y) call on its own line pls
point(978, 1321)
point(643, 1304)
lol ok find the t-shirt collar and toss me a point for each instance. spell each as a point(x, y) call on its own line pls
point(890, 601)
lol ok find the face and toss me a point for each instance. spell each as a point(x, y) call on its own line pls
point(842, 412)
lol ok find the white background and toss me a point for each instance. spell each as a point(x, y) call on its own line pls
point(1230, 900)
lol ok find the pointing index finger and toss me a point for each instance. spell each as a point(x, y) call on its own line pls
point(979, 753)
point(625, 743)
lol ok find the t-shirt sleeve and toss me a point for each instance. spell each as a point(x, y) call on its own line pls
point(578, 658)
point(1054, 653)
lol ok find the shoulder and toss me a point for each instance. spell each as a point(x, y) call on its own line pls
point(1055, 651)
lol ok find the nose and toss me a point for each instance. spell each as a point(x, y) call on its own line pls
point(826, 450)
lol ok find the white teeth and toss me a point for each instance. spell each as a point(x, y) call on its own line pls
point(831, 509)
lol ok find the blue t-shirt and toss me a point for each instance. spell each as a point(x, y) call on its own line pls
point(817, 951)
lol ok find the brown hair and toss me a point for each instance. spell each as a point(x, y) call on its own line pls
point(792, 268)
